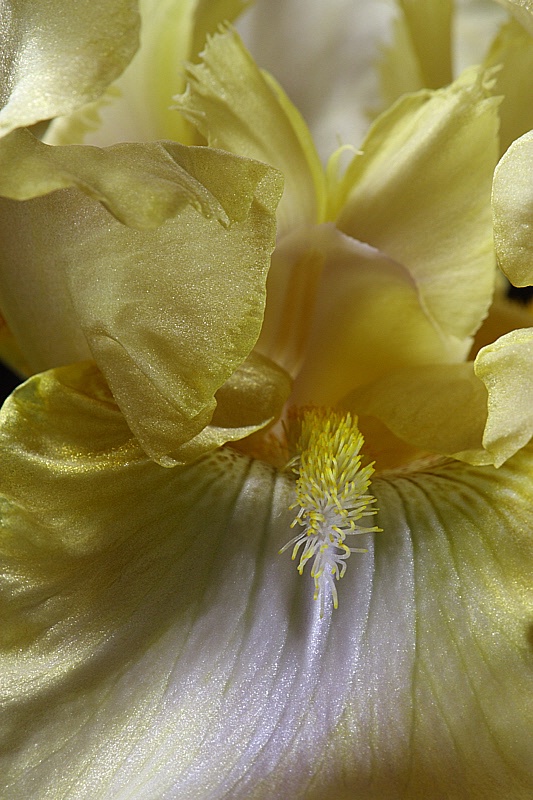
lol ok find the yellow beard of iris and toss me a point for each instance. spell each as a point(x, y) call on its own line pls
point(331, 493)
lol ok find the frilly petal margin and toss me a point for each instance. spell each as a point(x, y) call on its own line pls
point(239, 108)
point(55, 60)
point(168, 304)
point(156, 645)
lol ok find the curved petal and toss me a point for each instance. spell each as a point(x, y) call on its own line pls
point(155, 644)
point(420, 193)
point(512, 204)
point(512, 53)
point(439, 408)
point(421, 54)
point(522, 10)
point(506, 369)
point(168, 313)
point(54, 59)
point(241, 109)
point(140, 108)
point(340, 313)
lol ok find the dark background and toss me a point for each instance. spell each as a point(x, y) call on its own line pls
point(8, 381)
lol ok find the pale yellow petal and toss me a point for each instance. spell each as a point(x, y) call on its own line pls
point(420, 193)
point(522, 10)
point(421, 53)
point(241, 109)
point(506, 369)
point(439, 409)
point(168, 313)
point(56, 57)
point(340, 313)
point(512, 203)
point(512, 52)
point(151, 627)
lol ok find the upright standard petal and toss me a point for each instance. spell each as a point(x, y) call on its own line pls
point(340, 313)
point(58, 56)
point(420, 192)
point(168, 313)
point(512, 54)
point(162, 648)
point(241, 109)
point(421, 53)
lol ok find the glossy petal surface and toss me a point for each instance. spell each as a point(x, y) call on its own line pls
point(241, 109)
point(512, 202)
point(420, 193)
point(54, 61)
point(167, 313)
point(162, 647)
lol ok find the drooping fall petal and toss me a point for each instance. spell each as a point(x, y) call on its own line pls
point(162, 648)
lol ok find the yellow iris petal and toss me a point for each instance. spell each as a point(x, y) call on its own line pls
point(512, 53)
point(421, 54)
point(134, 638)
point(512, 203)
point(420, 192)
point(241, 109)
point(167, 313)
point(54, 61)
point(505, 367)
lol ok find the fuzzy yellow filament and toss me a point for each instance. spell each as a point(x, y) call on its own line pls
point(331, 493)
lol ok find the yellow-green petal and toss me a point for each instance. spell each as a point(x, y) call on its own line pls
point(512, 53)
point(340, 313)
point(56, 59)
point(420, 192)
point(167, 313)
point(438, 408)
point(154, 643)
point(140, 109)
point(522, 10)
point(506, 369)
point(421, 53)
point(239, 108)
point(512, 203)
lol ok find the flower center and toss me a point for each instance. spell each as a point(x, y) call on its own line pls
point(331, 493)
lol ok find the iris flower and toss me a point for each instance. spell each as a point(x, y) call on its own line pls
point(190, 398)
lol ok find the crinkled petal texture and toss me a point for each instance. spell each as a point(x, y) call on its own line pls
point(160, 647)
point(419, 191)
point(169, 300)
point(239, 108)
point(54, 59)
point(139, 105)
